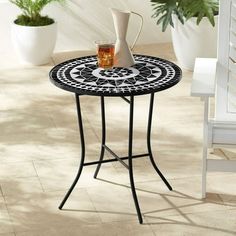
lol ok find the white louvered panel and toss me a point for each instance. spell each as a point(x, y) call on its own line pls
point(232, 93)
point(233, 25)
point(233, 9)
point(232, 62)
point(232, 52)
point(233, 31)
point(232, 100)
point(224, 108)
point(232, 66)
point(233, 38)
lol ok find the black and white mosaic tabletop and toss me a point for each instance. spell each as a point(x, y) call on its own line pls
point(82, 76)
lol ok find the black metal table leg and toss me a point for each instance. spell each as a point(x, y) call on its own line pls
point(80, 122)
point(149, 142)
point(130, 160)
point(103, 137)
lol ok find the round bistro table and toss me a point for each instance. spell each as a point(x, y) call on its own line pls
point(82, 76)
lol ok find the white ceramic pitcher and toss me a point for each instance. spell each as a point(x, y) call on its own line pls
point(123, 54)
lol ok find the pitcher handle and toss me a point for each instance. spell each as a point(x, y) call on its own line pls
point(140, 29)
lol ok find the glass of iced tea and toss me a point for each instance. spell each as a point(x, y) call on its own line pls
point(105, 53)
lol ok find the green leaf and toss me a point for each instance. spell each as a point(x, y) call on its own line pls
point(200, 9)
point(184, 10)
point(180, 16)
point(163, 10)
point(31, 11)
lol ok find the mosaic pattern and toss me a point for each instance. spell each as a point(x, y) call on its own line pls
point(82, 76)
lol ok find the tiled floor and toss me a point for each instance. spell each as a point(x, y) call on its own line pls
point(40, 151)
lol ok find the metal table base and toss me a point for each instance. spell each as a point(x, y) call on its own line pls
point(104, 147)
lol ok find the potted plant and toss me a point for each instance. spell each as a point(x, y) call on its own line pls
point(33, 34)
point(194, 31)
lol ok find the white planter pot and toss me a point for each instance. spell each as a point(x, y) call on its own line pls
point(34, 44)
point(191, 40)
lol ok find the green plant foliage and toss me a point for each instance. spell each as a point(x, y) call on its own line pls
point(37, 21)
point(200, 8)
point(184, 10)
point(31, 12)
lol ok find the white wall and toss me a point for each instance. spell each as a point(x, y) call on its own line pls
point(81, 22)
